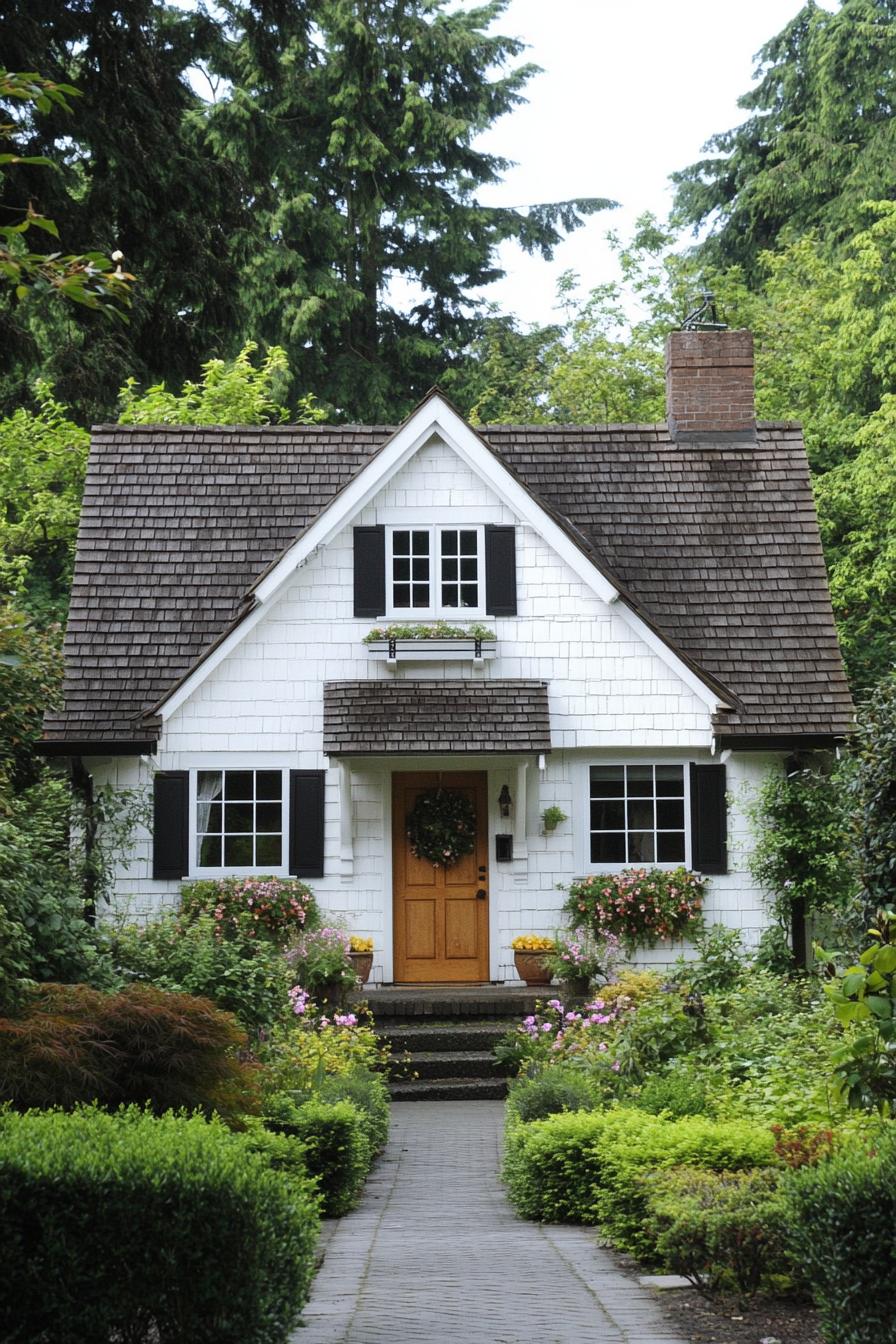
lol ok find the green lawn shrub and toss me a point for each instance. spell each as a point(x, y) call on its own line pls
point(719, 1229)
point(584, 1166)
point(841, 1215)
point(678, 1092)
point(147, 1230)
point(246, 976)
point(141, 1045)
point(555, 1089)
point(338, 1153)
point(368, 1093)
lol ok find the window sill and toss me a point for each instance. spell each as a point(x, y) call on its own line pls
point(393, 651)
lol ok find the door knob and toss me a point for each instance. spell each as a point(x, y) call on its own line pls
point(481, 894)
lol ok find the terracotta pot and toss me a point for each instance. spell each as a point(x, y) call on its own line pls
point(362, 963)
point(531, 968)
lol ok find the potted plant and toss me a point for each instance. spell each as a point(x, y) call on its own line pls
point(551, 818)
point(321, 961)
point(529, 950)
point(361, 957)
point(581, 957)
point(640, 906)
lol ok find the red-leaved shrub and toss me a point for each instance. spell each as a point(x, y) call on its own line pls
point(142, 1045)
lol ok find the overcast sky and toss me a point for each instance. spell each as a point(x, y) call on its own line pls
point(630, 92)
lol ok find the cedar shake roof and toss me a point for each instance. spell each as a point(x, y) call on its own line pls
point(382, 717)
point(717, 546)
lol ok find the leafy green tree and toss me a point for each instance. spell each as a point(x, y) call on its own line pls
point(819, 140)
point(352, 124)
point(30, 681)
point(872, 792)
point(232, 392)
point(43, 456)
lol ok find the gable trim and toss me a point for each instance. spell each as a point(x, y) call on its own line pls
point(435, 416)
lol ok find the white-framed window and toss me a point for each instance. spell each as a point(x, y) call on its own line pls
point(638, 814)
point(435, 571)
point(239, 820)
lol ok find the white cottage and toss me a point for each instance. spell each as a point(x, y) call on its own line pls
point(661, 637)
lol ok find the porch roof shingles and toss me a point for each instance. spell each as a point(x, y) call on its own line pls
point(365, 718)
point(718, 547)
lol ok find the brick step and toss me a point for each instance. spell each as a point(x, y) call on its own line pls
point(450, 1089)
point(437, 1064)
point(443, 1036)
point(487, 1001)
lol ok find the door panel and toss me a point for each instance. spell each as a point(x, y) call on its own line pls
point(440, 923)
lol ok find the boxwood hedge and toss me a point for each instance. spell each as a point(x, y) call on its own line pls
point(138, 1228)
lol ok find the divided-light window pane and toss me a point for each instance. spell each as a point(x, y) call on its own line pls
point(459, 558)
point(637, 814)
point(239, 818)
point(411, 568)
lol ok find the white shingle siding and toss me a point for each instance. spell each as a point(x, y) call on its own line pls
point(610, 695)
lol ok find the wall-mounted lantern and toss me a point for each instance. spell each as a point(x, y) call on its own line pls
point(505, 802)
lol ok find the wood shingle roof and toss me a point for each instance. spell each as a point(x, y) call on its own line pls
point(717, 547)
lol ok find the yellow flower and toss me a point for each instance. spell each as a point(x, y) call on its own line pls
point(532, 942)
point(361, 944)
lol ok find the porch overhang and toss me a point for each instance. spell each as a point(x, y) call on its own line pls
point(416, 718)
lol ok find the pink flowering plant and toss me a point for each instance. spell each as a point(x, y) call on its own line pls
point(273, 908)
point(580, 954)
point(556, 1033)
point(640, 906)
point(320, 961)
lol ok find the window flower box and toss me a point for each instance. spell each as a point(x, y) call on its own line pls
point(438, 642)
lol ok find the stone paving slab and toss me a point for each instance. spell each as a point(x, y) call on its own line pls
point(435, 1252)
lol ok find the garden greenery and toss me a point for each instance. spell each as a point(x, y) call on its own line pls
point(802, 854)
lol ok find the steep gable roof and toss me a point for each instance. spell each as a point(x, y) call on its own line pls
point(717, 547)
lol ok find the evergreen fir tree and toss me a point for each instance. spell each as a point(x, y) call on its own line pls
point(353, 124)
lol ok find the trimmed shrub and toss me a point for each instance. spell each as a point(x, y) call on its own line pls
point(245, 976)
point(694, 1140)
point(142, 1045)
point(338, 1153)
point(552, 1167)
point(556, 1089)
point(368, 1093)
point(583, 1167)
point(719, 1229)
point(677, 1093)
point(841, 1216)
point(149, 1230)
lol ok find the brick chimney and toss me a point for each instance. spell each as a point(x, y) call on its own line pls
point(709, 386)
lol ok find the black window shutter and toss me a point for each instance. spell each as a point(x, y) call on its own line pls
point(370, 571)
point(500, 571)
point(306, 823)
point(709, 819)
point(171, 824)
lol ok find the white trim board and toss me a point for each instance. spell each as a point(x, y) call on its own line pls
point(434, 418)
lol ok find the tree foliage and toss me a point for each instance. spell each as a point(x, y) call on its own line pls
point(819, 140)
point(91, 279)
point(134, 176)
point(352, 125)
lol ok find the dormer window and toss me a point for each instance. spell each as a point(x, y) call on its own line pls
point(435, 571)
point(412, 572)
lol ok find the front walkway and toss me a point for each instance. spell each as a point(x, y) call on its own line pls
point(435, 1252)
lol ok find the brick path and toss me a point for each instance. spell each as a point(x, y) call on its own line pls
point(435, 1252)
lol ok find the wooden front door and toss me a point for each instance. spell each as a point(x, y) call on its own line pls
point(440, 914)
